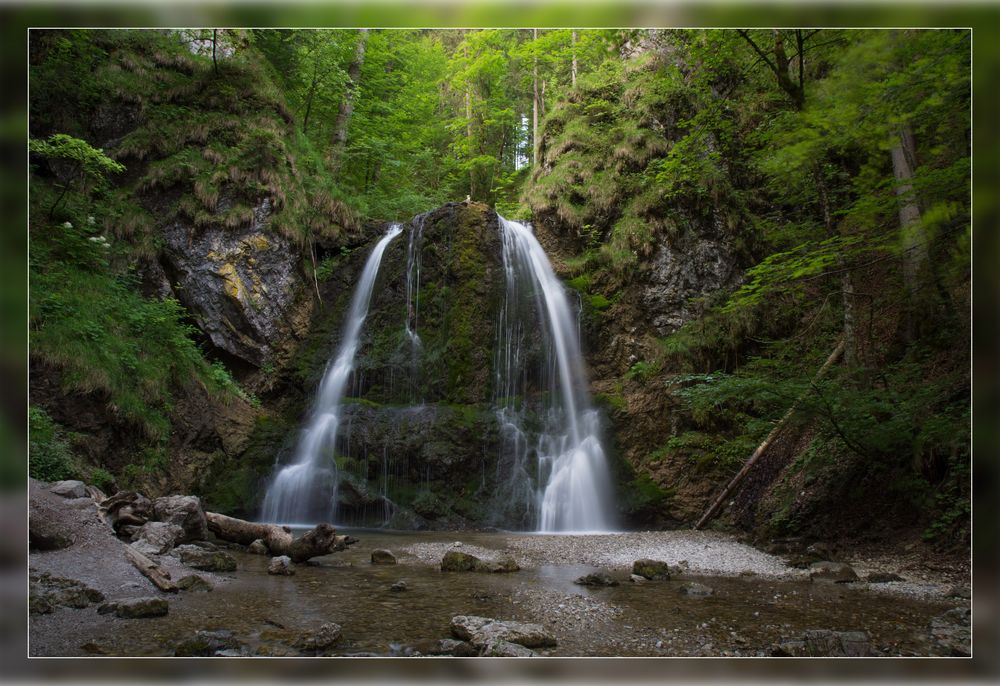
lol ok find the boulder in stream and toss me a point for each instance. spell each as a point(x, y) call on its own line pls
point(601, 577)
point(480, 631)
point(825, 643)
point(455, 561)
point(835, 572)
point(207, 644)
point(194, 583)
point(651, 569)
point(136, 608)
point(501, 648)
point(258, 547)
point(381, 556)
point(693, 588)
point(320, 640)
point(206, 560)
point(281, 566)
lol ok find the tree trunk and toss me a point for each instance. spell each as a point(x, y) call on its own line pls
point(149, 569)
point(468, 133)
point(534, 107)
point(846, 279)
point(312, 94)
point(573, 70)
point(321, 540)
point(312, 255)
point(347, 102)
point(762, 448)
point(215, 36)
point(914, 236)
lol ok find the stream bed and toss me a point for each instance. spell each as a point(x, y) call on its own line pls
point(748, 613)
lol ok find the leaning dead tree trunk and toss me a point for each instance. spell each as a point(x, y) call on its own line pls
point(762, 448)
point(321, 540)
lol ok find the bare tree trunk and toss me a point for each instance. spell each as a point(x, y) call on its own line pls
point(347, 103)
point(573, 70)
point(534, 107)
point(312, 254)
point(762, 448)
point(914, 237)
point(215, 36)
point(468, 126)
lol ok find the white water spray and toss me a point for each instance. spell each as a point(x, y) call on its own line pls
point(574, 485)
point(305, 491)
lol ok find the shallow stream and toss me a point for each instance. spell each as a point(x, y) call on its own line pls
point(745, 615)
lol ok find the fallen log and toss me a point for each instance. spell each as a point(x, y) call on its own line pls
point(149, 569)
point(321, 540)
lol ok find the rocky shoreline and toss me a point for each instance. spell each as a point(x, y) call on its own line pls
point(577, 594)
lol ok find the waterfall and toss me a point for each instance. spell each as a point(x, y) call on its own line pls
point(413, 259)
point(305, 491)
point(571, 491)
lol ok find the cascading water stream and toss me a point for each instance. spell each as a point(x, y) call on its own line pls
point(413, 259)
point(305, 491)
point(573, 484)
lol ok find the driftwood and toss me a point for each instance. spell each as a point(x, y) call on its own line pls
point(321, 540)
point(762, 448)
point(126, 507)
point(149, 569)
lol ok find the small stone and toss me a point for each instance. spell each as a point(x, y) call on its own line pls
point(383, 557)
point(258, 547)
point(636, 579)
point(835, 572)
point(69, 489)
point(281, 566)
point(599, 578)
point(398, 586)
point(194, 583)
point(693, 588)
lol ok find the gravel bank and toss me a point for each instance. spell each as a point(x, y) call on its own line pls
point(700, 552)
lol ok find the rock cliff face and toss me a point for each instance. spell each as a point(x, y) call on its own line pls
point(240, 284)
point(696, 266)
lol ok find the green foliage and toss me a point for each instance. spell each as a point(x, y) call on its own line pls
point(642, 371)
point(102, 479)
point(86, 160)
point(50, 457)
point(643, 493)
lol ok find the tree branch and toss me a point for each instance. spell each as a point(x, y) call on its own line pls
point(763, 55)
